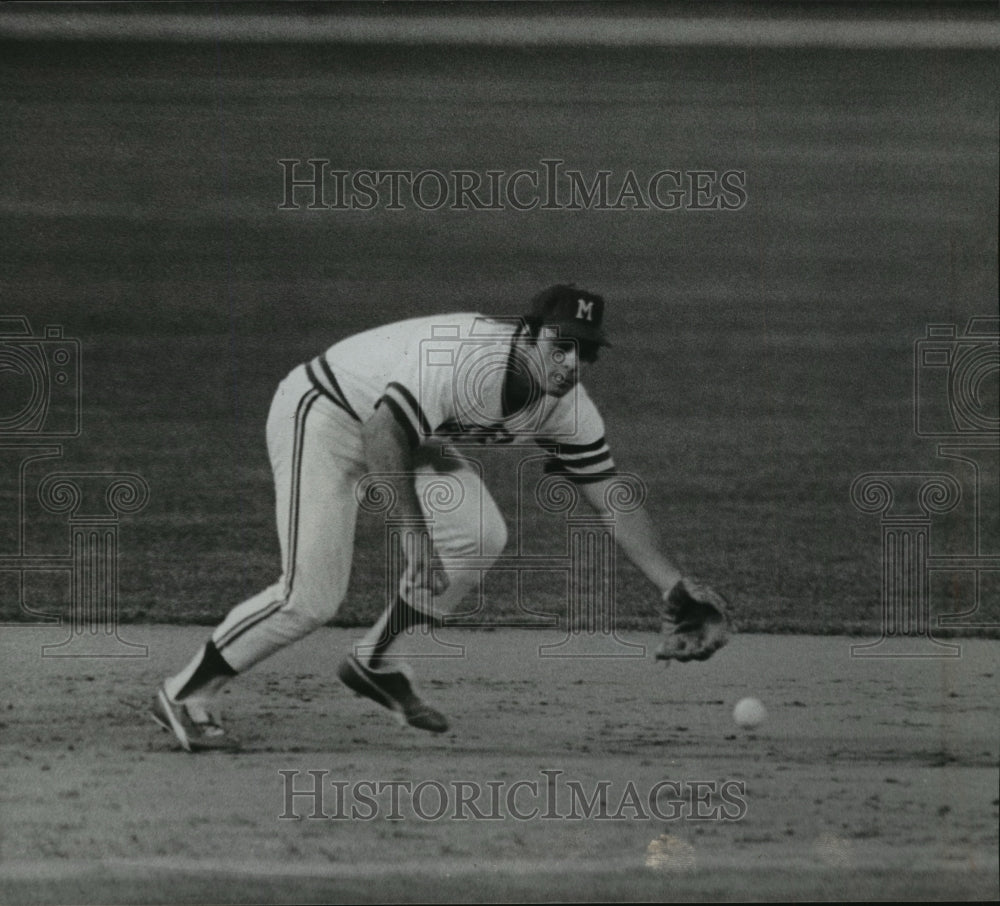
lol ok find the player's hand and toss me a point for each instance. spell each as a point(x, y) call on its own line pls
point(696, 623)
point(428, 573)
point(439, 580)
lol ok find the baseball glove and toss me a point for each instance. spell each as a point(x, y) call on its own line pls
point(695, 624)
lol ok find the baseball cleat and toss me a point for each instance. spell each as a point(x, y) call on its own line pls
point(195, 732)
point(391, 689)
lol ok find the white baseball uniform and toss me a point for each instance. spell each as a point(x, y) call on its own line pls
point(443, 378)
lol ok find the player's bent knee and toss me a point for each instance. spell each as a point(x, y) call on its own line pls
point(494, 538)
point(301, 620)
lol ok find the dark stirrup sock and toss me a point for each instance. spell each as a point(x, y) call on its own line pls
point(402, 617)
point(212, 666)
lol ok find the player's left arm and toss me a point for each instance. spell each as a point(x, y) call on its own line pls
point(695, 621)
point(635, 534)
point(583, 456)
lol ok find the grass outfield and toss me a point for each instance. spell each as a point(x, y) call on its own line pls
point(763, 357)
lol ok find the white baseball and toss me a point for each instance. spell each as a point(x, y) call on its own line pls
point(749, 712)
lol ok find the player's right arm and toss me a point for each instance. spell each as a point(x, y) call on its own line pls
point(413, 399)
point(389, 451)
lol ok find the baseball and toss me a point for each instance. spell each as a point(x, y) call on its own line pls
point(749, 712)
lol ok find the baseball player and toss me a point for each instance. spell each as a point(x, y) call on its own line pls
point(387, 402)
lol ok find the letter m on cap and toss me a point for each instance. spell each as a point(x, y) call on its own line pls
point(584, 310)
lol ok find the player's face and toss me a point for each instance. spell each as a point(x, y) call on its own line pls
point(559, 360)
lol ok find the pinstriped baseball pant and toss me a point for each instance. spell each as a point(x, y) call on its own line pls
point(317, 457)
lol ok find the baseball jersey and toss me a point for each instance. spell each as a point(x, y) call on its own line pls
point(443, 376)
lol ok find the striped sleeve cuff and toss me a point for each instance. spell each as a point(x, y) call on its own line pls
point(584, 462)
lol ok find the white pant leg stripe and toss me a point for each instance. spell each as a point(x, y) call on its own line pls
point(305, 404)
point(249, 622)
point(272, 607)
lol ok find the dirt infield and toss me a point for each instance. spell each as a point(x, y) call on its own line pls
point(871, 778)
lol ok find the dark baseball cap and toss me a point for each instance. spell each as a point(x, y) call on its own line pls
point(575, 312)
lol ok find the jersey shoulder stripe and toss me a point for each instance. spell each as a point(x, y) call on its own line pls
point(327, 385)
point(405, 407)
point(402, 418)
point(334, 383)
